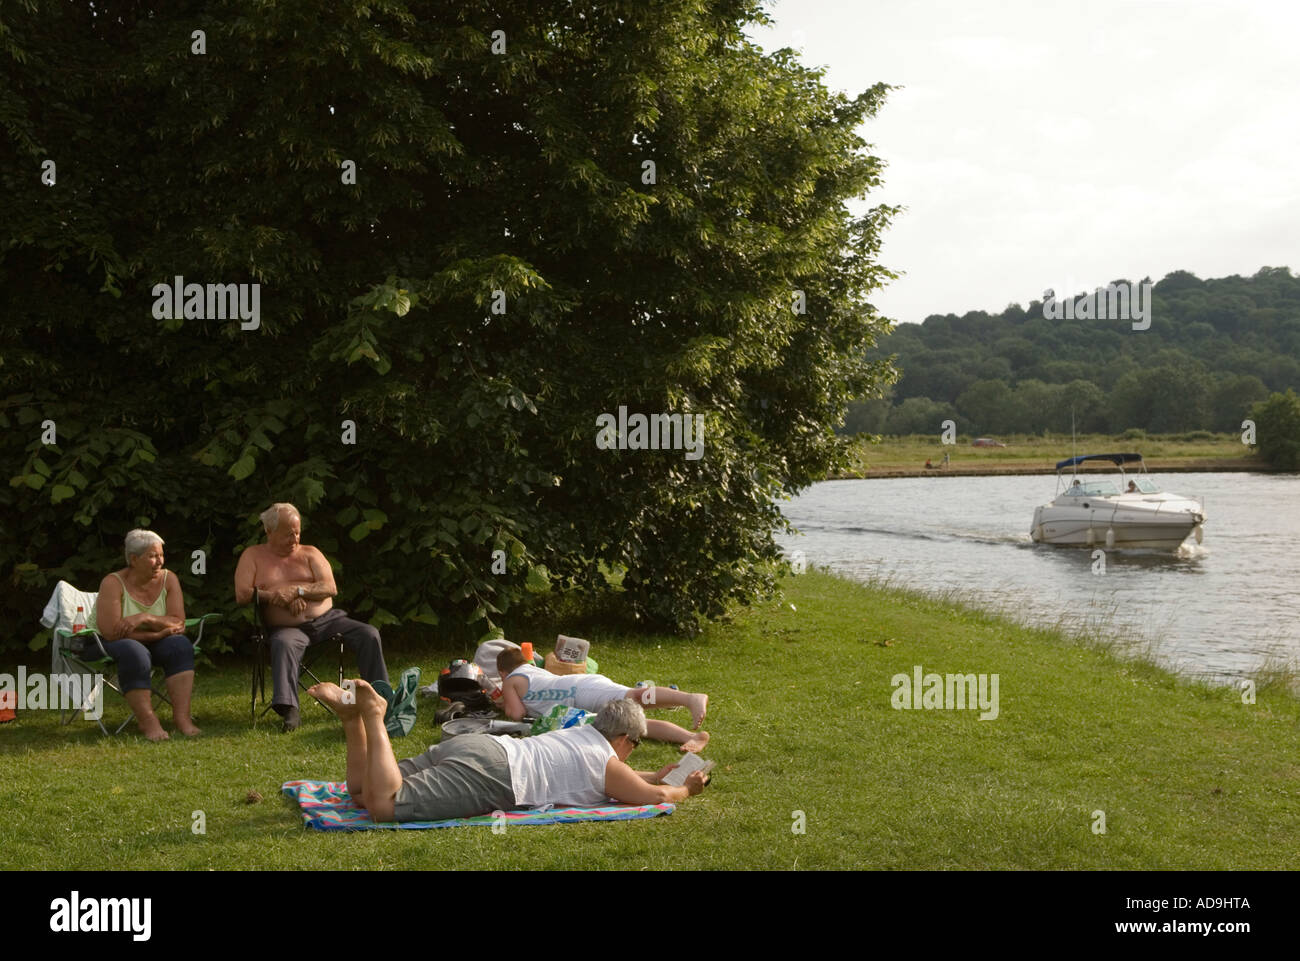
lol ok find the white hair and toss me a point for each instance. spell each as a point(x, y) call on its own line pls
point(621, 716)
point(138, 541)
point(271, 516)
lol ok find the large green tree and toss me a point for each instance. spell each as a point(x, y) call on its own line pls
point(477, 227)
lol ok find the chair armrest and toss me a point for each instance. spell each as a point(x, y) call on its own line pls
point(95, 642)
point(201, 622)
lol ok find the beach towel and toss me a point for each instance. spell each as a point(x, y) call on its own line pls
point(326, 806)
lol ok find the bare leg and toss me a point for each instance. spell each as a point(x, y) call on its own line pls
point(383, 777)
point(668, 731)
point(666, 697)
point(381, 774)
point(141, 702)
point(179, 687)
point(354, 732)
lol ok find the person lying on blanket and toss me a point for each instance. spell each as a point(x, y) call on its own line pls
point(475, 774)
point(526, 689)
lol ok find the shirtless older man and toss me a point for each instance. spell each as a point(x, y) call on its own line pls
point(296, 587)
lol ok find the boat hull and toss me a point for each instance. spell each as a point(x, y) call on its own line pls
point(1113, 526)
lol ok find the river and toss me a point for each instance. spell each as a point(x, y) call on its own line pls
point(1219, 610)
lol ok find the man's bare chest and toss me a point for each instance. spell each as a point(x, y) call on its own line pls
point(272, 570)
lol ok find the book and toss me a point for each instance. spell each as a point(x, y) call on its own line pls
point(690, 763)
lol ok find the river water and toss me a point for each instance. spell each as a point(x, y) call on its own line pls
point(1219, 610)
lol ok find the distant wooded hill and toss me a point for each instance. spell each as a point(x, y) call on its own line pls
point(1214, 347)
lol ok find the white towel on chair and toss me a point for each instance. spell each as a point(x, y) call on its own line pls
point(60, 613)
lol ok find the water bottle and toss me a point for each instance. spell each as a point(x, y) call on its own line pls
point(79, 622)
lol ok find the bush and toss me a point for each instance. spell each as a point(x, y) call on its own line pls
point(1277, 430)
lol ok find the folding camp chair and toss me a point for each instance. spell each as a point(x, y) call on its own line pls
point(75, 656)
point(262, 657)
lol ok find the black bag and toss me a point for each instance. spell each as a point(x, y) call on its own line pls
point(462, 684)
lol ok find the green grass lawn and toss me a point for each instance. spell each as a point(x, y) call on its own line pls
point(1188, 776)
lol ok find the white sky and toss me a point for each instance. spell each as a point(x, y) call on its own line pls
point(1045, 143)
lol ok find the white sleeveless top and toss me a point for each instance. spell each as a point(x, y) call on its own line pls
point(565, 768)
point(545, 690)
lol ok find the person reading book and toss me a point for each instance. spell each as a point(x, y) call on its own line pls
point(532, 691)
point(475, 774)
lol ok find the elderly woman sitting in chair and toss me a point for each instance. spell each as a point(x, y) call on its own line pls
point(140, 616)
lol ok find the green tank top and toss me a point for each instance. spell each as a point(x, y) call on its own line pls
point(131, 606)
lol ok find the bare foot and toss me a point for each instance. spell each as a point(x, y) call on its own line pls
point(331, 695)
point(696, 743)
point(188, 728)
point(369, 700)
point(151, 729)
point(699, 705)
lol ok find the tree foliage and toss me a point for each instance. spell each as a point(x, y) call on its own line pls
point(1277, 427)
point(501, 272)
point(1214, 347)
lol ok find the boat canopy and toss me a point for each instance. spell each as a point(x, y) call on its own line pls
point(1115, 459)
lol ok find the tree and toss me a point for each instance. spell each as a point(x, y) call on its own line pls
point(1086, 401)
point(470, 246)
point(918, 415)
point(867, 416)
point(933, 377)
point(993, 368)
point(1017, 351)
point(1032, 408)
point(1168, 399)
point(988, 406)
point(1232, 399)
point(1277, 429)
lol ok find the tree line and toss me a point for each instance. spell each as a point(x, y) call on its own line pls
point(1214, 349)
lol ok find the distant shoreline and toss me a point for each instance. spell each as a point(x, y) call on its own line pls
point(1039, 454)
point(1207, 466)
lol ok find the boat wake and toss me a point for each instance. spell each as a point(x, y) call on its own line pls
point(977, 537)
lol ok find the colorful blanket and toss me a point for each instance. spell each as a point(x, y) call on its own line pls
point(326, 806)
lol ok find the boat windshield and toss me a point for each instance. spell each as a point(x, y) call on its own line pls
point(1092, 489)
point(1147, 486)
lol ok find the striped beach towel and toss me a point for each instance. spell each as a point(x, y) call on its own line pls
point(326, 806)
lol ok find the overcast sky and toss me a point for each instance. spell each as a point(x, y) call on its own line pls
point(1043, 143)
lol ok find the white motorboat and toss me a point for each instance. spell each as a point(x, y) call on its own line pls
point(1131, 513)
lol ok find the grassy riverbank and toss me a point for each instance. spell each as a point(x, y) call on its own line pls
point(1187, 776)
point(1038, 454)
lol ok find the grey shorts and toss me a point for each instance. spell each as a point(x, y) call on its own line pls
point(462, 777)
